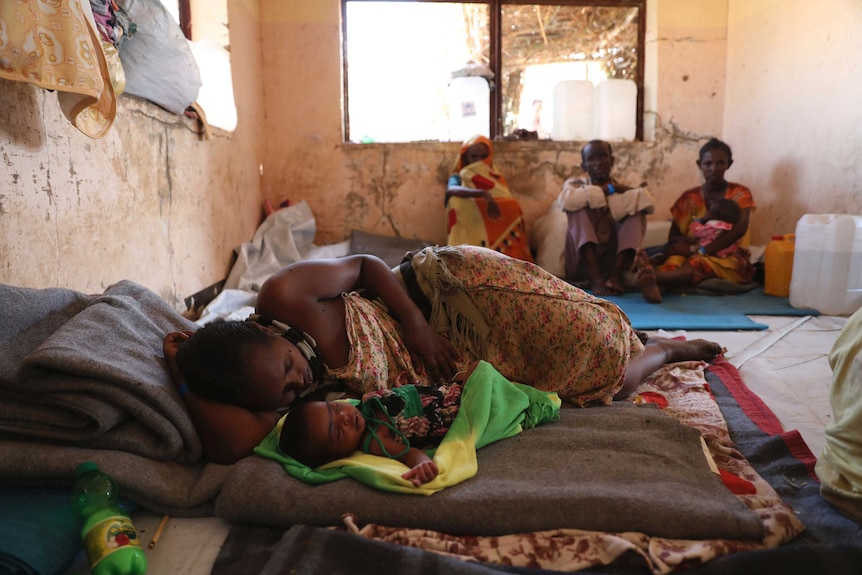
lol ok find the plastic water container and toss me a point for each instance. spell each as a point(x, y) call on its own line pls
point(616, 109)
point(778, 263)
point(573, 111)
point(827, 264)
point(469, 101)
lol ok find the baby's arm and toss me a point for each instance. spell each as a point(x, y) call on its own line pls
point(422, 468)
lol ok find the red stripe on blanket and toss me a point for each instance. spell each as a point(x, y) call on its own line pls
point(800, 451)
point(750, 402)
point(761, 415)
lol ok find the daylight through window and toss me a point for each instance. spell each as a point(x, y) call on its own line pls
point(445, 71)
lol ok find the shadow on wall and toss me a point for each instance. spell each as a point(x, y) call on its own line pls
point(780, 217)
point(20, 110)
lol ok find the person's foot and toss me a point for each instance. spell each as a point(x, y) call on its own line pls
point(598, 286)
point(688, 350)
point(614, 285)
point(645, 278)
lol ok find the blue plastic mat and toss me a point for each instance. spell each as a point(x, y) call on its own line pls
point(39, 530)
point(705, 312)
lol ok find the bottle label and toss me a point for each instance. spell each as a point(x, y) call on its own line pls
point(109, 535)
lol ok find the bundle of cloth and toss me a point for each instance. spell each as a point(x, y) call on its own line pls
point(83, 378)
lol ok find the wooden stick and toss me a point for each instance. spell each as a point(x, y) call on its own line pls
point(158, 532)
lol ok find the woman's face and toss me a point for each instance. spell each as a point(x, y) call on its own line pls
point(276, 374)
point(713, 164)
point(476, 153)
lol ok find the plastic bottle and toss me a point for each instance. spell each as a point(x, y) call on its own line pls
point(110, 540)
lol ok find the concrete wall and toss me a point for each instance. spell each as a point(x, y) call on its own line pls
point(792, 114)
point(397, 189)
point(152, 201)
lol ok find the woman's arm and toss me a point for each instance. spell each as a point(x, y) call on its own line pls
point(675, 236)
point(227, 432)
point(463, 192)
point(731, 236)
point(304, 295)
point(678, 244)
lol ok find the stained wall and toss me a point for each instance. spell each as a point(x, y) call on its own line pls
point(397, 189)
point(794, 83)
point(152, 201)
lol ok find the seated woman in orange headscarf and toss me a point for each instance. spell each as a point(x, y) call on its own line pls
point(480, 208)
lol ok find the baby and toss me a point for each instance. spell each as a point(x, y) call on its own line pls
point(397, 423)
point(720, 217)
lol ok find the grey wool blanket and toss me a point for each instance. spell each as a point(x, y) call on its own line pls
point(82, 377)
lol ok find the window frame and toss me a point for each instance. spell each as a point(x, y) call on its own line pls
point(495, 56)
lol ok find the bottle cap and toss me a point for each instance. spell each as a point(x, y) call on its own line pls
point(85, 467)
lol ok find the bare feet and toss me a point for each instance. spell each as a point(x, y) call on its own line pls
point(598, 286)
point(645, 278)
point(614, 285)
point(687, 350)
point(659, 351)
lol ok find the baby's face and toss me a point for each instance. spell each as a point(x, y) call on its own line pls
point(335, 428)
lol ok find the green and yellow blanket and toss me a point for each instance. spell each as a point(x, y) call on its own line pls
point(492, 408)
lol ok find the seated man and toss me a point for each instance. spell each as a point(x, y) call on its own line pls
point(840, 465)
point(606, 222)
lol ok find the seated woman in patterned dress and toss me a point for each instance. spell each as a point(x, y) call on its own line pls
point(480, 209)
point(687, 261)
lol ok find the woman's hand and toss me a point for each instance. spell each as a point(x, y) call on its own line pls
point(171, 345)
point(493, 208)
point(430, 350)
point(680, 248)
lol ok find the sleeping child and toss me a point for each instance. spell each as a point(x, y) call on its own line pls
point(401, 422)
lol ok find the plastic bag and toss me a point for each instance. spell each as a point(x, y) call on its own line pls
point(157, 60)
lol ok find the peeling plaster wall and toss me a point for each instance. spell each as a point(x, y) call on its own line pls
point(151, 201)
point(793, 111)
point(397, 189)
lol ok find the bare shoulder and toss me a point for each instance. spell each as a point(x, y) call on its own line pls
point(307, 295)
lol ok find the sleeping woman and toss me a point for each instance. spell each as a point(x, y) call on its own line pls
point(480, 209)
point(355, 321)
